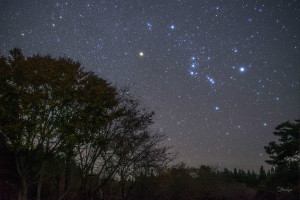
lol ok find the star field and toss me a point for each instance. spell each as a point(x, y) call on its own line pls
point(220, 75)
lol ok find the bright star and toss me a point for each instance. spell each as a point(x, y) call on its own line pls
point(141, 53)
point(172, 27)
point(211, 80)
point(265, 124)
point(149, 26)
point(242, 69)
point(217, 108)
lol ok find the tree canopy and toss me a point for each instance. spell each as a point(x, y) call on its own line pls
point(54, 115)
point(287, 150)
point(284, 154)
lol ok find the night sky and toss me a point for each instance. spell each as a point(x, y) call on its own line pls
point(220, 75)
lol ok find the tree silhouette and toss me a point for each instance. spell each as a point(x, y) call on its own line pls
point(284, 156)
point(262, 174)
point(59, 121)
point(44, 104)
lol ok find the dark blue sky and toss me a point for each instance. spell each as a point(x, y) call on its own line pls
point(220, 75)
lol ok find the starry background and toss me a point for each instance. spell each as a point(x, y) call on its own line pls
point(220, 75)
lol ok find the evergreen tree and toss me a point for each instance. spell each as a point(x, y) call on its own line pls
point(235, 174)
point(253, 178)
point(285, 155)
point(262, 174)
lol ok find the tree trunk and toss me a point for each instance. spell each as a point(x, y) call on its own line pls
point(129, 190)
point(123, 188)
point(67, 176)
point(122, 185)
point(57, 186)
point(39, 188)
point(40, 182)
point(23, 189)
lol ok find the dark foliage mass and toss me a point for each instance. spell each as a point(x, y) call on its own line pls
point(68, 134)
point(285, 154)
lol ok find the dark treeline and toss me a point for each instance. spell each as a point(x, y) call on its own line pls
point(68, 134)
